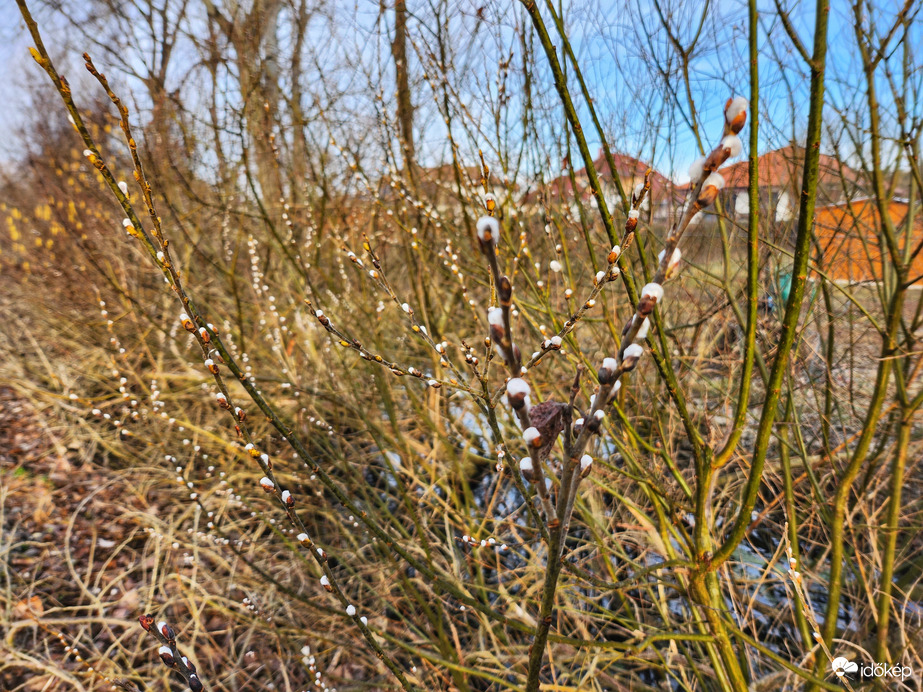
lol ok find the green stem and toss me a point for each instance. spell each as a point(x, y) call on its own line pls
point(894, 516)
point(799, 276)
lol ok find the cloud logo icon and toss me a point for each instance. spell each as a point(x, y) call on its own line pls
point(841, 666)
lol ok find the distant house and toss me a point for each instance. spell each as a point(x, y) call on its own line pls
point(847, 236)
point(631, 171)
point(780, 177)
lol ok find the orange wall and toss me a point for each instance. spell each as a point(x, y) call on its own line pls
point(848, 238)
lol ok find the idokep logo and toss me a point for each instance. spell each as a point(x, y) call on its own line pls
point(843, 667)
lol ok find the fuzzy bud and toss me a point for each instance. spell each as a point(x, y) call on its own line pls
point(166, 655)
point(733, 144)
point(488, 230)
point(696, 169)
point(616, 386)
point(525, 467)
point(166, 631)
point(586, 463)
point(651, 294)
point(267, 484)
point(532, 437)
point(675, 259)
point(713, 183)
point(631, 356)
point(325, 582)
point(187, 323)
point(607, 371)
point(517, 392)
point(637, 192)
point(351, 610)
point(288, 499)
point(735, 114)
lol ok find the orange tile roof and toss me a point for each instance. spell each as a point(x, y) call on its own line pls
point(782, 168)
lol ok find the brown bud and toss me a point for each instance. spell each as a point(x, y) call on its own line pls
point(147, 621)
point(194, 683)
point(167, 631)
point(717, 157)
point(646, 305)
point(166, 656)
point(505, 290)
point(707, 196)
point(497, 333)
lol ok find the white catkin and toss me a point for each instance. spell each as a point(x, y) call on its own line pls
point(585, 461)
point(517, 385)
point(714, 180)
point(695, 170)
point(674, 258)
point(733, 143)
point(525, 464)
point(653, 290)
point(737, 105)
point(488, 224)
point(634, 351)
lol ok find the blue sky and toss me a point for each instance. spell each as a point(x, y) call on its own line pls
point(618, 43)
